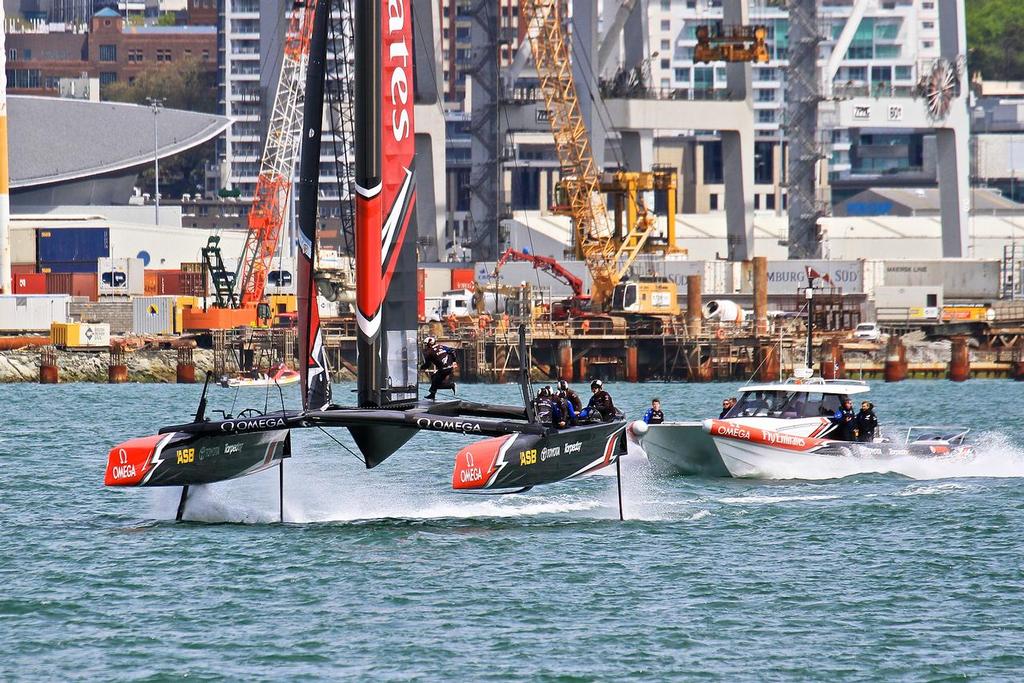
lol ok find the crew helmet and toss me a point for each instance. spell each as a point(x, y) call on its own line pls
point(562, 385)
point(429, 341)
point(596, 384)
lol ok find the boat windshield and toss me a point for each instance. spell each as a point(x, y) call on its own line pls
point(786, 405)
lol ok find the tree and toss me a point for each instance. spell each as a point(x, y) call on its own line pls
point(995, 38)
point(190, 85)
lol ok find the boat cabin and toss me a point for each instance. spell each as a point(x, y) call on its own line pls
point(796, 398)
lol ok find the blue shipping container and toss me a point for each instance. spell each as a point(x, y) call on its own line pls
point(72, 245)
point(67, 266)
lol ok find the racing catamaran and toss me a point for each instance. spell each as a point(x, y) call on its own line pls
point(521, 451)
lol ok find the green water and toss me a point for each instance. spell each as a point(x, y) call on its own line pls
point(388, 575)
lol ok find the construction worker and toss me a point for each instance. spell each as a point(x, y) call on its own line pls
point(442, 359)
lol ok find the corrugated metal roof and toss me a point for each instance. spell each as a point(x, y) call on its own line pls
point(54, 140)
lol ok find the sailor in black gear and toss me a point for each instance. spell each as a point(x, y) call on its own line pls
point(546, 407)
point(727, 405)
point(846, 422)
point(867, 422)
point(654, 416)
point(566, 415)
point(442, 359)
point(574, 398)
point(600, 406)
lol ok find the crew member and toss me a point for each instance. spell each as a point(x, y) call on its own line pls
point(574, 398)
point(654, 416)
point(846, 422)
point(442, 359)
point(727, 405)
point(867, 422)
point(546, 406)
point(566, 412)
point(600, 406)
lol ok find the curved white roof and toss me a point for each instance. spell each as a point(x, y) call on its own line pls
point(54, 140)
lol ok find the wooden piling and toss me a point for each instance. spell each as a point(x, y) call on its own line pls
point(833, 365)
point(694, 310)
point(186, 368)
point(761, 295)
point(565, 368)
point(959, 360)
point(767, 356)
point(48, 370)
point(895, 360)
point(632, 362)
point(117, 369)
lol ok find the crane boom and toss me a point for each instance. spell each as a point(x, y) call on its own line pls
point(547, 264)
point(608, 258)
point(274, 184)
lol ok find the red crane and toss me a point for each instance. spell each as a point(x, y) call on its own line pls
point(577, 305)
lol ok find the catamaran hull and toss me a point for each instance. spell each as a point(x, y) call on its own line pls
point(183, 459)
point(682, 448)
point(521, 461)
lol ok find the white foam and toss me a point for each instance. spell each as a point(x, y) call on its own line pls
point(768, 500)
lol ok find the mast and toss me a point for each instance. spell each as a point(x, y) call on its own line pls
point(313, 369)
point(385, 204)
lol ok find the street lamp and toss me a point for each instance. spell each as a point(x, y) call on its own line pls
point(156, 104)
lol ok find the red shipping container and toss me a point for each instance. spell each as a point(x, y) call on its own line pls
point(170, 282)
point(58, 283)
point(23, 268)
point(151, 283)
point(29, 283)
point(463, 278)
point(84, 284)
point(421, 294)
point(192, 284)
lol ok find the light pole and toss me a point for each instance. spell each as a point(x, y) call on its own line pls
point(156, 104)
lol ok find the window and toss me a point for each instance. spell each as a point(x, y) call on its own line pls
point(666, 44)
point(26, 54)
point(683, 74)
point(164, 56)
point(135, 56)
point(107, 77)
point(666, 25)
point(766, 116)
point(928, 25)
point(757, 202)
point(765, 95)
point(12, 55)
point(769, 202)
point(713, 201)
point(108, 53)
point(666, 63)
point(23, 78)
point(206, 55)
point(903, 73)
point(928, 44)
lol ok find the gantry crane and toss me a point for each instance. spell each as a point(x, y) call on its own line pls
point(608, 257)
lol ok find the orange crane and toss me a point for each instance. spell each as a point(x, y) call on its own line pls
point(273, 187)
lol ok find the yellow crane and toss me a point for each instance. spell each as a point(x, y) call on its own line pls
point(608, 256)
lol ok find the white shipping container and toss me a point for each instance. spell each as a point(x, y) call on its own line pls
point(23, 246)
point(32, 312)
point(282, 278)
point(94, 334)
point(958, 278)
point(436, 281)
point(327, 309)
point(120, 276)
point(153, 314)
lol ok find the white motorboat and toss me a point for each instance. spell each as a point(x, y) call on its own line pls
point(752, 452)
point(800, 406)
point(278, 375)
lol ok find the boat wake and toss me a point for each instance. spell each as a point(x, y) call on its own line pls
point(994, 456)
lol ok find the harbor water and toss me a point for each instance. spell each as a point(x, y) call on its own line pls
point(389, 575)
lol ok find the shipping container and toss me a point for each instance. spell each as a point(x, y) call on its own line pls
point(436, 281)
point(282, 277)
point(79, 335)
point(58, 283)
point(32, 312)
point(23, 268)
point(153, 314)
point(192, 267)
point(84, 284)
point(67, 266)
point(121, 276)
point(790, 277)
point(23, 247)
point(907, 303)
point(29, 283)
point(151, 283)
point(971, 279)
point(192, 284)
point(463, 278)
point(72, 245)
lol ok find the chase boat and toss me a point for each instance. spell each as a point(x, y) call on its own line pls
point(800, 406)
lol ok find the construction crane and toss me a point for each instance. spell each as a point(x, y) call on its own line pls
point(607, 255)
point(240, 306)
point(274, 184)
point(732, 44)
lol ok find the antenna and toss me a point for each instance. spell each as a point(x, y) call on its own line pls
point(809, 295)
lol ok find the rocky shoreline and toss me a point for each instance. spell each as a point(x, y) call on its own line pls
point(144, 366)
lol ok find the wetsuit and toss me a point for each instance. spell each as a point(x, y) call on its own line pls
point(846, 422)
point(600, 403)
point(867, 425)
point(442, 359)
point(654, 417)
